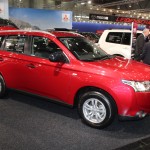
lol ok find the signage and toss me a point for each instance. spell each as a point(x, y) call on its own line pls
point(130, 20)
point(118, 19)
point(27, 18)
point(101, 17)
point(65, 17)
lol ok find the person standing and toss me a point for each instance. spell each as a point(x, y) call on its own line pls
point(140, 41)
point(145, 56)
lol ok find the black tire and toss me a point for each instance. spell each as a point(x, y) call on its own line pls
point(2, 87)
point(100, 114)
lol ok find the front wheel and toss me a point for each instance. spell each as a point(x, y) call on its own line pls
point(96, 109)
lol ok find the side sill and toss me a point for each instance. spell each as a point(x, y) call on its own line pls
point(43, 97)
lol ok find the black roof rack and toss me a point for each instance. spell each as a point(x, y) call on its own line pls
point(6, 22)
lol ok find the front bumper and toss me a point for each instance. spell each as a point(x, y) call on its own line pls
point(131, 104)
point(139, 115)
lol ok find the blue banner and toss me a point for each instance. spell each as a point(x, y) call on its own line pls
point(40, 19)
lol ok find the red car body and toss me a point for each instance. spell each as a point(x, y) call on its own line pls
point(63, 82)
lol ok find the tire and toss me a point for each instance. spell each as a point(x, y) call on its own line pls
point(2, 87)
point(96, 109)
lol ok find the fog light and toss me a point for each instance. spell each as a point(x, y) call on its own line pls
point(141, 114)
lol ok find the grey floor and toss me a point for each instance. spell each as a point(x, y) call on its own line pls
point(31, 123)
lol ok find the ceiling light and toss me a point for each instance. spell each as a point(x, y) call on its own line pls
point(89, 2)
point(118, 7)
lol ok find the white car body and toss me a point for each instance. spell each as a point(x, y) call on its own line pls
point(117, 42)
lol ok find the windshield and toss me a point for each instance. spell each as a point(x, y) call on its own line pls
point(83, 49)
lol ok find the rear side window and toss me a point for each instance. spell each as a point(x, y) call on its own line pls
point(114, 37)
point(126, 39)
point(15, 43)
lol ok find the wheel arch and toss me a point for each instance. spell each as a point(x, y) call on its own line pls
point(86, 89)
point(3, 78)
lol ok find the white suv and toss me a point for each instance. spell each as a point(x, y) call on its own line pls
point(117, 42)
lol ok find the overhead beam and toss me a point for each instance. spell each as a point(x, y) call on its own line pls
point(120, 3)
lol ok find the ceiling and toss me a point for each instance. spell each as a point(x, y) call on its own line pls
point(137, 5)
point(82, 8)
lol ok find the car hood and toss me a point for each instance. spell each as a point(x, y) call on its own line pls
point(122, 68)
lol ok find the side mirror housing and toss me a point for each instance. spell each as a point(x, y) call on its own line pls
point(57, 57)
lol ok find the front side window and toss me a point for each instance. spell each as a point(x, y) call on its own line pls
point(1, 40)
point(15, 43)
point(114, 37)
point(83, 49)
point(42, 47)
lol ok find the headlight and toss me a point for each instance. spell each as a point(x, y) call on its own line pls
point(138, 86)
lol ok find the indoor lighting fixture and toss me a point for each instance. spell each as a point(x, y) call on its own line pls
point(118, 7)
point(82, 3)
point(89, 2)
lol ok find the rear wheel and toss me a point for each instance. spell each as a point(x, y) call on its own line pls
point(2, 87)
point(96, 109)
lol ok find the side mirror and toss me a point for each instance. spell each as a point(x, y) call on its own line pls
point(57, 57)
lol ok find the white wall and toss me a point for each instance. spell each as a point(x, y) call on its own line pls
point(4, 9)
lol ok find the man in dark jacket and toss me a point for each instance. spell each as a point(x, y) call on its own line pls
point(140, 43)
point(145, 57)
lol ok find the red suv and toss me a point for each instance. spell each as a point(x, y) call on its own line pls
point(67, 68)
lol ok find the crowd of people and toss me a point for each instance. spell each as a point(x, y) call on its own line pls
point(142, 48)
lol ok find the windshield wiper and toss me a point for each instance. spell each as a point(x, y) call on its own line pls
point(107, 57)
point(104, 57)
point(87, 59)
point(99, 58)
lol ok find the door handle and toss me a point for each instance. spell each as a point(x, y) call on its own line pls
point(1, 59)
point(31, 65)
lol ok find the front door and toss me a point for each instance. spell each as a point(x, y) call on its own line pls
point(43, 77)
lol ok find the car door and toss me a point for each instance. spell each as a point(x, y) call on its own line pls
point(45, 78)
point(11, 64)
point(126, 44)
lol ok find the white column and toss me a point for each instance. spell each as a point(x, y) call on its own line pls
point(4, 9)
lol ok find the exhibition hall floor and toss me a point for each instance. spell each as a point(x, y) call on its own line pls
point(31, 123)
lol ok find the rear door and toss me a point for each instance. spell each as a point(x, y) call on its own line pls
point(11, 53)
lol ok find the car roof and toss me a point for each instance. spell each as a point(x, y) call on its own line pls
point(120, 30)
point(40, 32)
point(66, 34)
